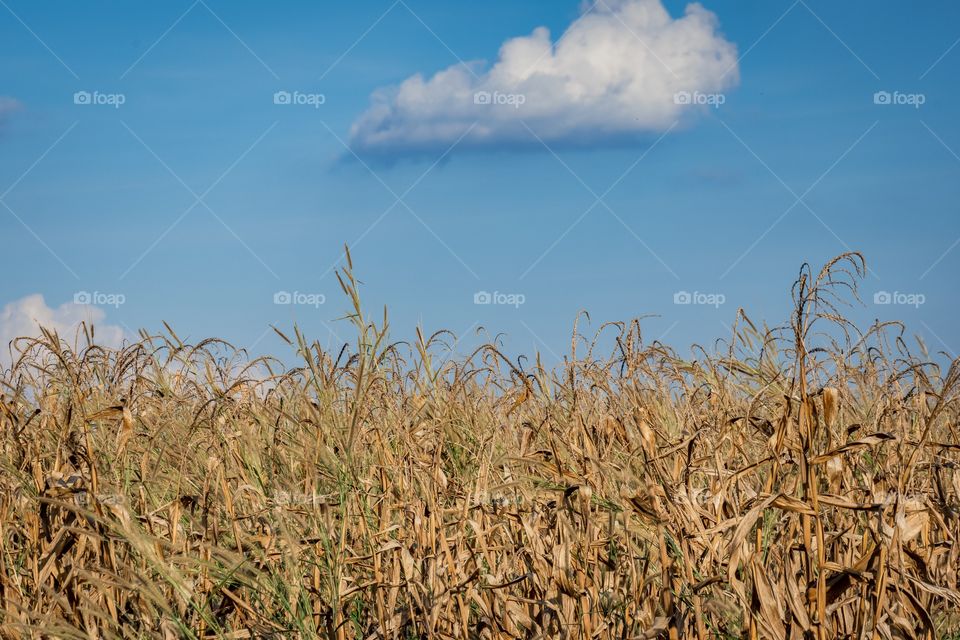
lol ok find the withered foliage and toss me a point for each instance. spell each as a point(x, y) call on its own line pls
point(793, 482)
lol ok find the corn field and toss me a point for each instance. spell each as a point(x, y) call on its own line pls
point(796, 481)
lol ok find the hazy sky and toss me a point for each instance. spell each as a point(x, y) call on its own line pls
point(204, 163)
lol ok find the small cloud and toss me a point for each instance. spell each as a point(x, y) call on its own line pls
point(24, 317)
point(625, 69)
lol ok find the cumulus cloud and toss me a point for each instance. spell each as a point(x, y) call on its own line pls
point(24, 317)
point(623, 70)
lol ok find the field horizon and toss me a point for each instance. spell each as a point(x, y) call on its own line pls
point(803, 481)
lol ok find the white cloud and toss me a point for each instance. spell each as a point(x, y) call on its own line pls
point(612, 78)
point(24, 317)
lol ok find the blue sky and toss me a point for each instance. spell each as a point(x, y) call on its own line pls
point(199, 198)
